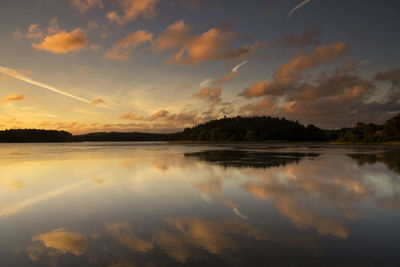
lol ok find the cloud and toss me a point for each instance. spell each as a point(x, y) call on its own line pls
point(392, 76)
point(288, 74)
point(63, 241)
point(162, 113)
point(85, 5)
point(92, 25)
point(307, 38)
point(297, 7)
point(54, 27)
point(258, 89)
point(17, 34)
point(303, 61)
point(63, 42)
point(128, 116)
point(164, 119)
point(94, 47)
point(210, 45)
point(173, 36)
point(13, 97)
point(159, 114)
point(34, 32)
point(206, 83)
point(97, 180)
point(212, 95)
point(123, 233)
point(330, 99)
point(97, 101)
point(211, 92)
point(122, 50)
point(132, 9)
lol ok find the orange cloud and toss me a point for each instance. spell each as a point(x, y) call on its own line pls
point(258, 89)
point(304, 61)
point(13, 97)
point(122, 50)
point(34, 32)
point(132, 9)
point(173, 36)
point(159, 114)
point(286, 76)
point(213, 95)
point(128, 116)
point(97, 180)
point(63, 42)
point(63, 241)
point(211, 45)
point(97, 101)
point(85, 5)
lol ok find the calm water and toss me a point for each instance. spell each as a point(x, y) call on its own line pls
point(155, 204)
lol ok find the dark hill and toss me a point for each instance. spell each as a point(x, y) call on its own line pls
point(253, 129)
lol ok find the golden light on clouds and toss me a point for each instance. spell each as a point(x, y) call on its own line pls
point(13, 97)
point(159, 50)
point(63, 42)
point(173, 36)
point(122, 50)
point(132, 9)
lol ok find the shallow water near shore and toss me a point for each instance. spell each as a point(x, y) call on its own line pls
point(160, 204)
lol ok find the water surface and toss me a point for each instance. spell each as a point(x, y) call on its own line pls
point(158, 204)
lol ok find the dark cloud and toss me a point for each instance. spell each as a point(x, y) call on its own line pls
point(330, 100)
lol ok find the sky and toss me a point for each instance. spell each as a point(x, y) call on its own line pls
point(164, 65)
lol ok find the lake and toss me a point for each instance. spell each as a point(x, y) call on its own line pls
point(160, 204)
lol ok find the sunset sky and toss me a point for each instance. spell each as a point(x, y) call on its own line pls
point(163, 65)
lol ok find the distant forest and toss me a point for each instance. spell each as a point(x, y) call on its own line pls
point(239, 129)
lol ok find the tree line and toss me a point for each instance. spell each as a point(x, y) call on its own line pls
point(257, 128)
point(260, 128)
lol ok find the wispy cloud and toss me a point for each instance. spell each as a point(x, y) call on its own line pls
point(122, 50)
point(13, 97)
point(297, 7)
point(15, 74)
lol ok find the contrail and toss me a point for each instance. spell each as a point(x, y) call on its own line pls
point(297, 7)
point(15, 74)
point(236, 68)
